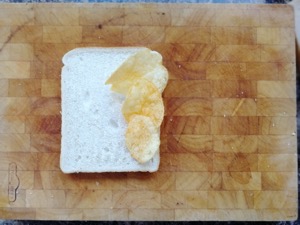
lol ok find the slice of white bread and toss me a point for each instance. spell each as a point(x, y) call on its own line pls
point(93, 127)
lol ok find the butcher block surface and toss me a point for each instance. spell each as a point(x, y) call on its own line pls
point(228, 139)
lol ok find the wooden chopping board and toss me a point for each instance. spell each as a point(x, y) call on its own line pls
point(229, 144)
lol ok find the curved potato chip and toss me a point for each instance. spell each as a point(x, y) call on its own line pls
point(142, 138)
point(143, 98)
point(133, 68)
point(159, 77)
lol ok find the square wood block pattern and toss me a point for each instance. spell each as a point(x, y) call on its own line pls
point(228, 139)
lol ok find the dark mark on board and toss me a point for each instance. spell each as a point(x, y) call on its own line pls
point(13, 34)
point(13, 182)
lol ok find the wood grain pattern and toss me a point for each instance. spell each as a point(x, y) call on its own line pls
point(228, 139)
point(235, 143)
point(12, 69)
point(186, 70)
point(188, 107)
point(28, 34)
point(24, 87)
point(3, 87)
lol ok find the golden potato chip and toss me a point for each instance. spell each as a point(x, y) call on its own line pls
point(143, 98)
point(158, 76)
point(142, 138)
point(133, 68)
